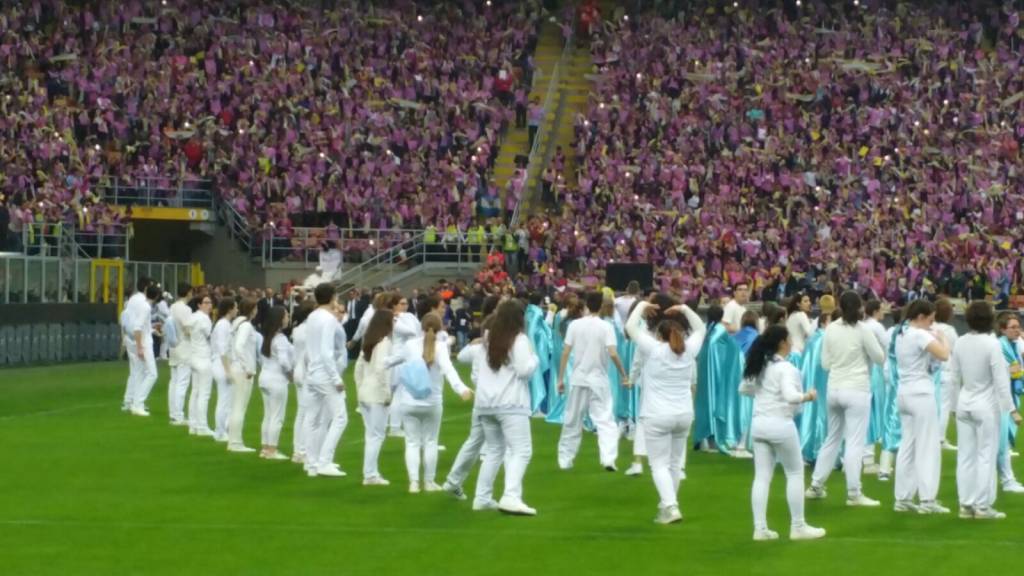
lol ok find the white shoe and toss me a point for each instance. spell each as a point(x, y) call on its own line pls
point(311, 472)
point(456, 491)
point(988, 514)
point(414, 487)
point(635, 469)
point(483, 505)
point(947, 445)
point(273, 456)
point(1013, 487)
point(564, 465)
point(682, 475)
point(611, 467)
point(884, 476)
point(815, 493)
point(966, 512)
point(375, 481)
point(806, 532)
point(139, 412)
point(396, 432)
point(515, 507)
point(299, 458)
point(669, 515)
point(240, 449)
point(932, 508)
point(870, 469)
point(1014, 453)
point(126, 408)
point(863, 501)
point(905, 506)
point(220, 437)
point(204, 432)
point(432, 487)
point(441, 448)
point(764, 535)
point(741, 453)
point(179, 423)
point(330, 470)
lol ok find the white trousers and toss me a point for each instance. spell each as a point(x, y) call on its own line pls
point(776, 439)
point(326, 405)
point(598, 403)
point(468, 454)
point(919, 460)
point(144, 370)
point(223, 408)
point(300, 444)
point(177, 391)
point(639, 439)
point(848, 415)
point(129, 388)
point(241, 390)
point(275, 399)
point(666, 446)
point(199, 399)
point(422, 424)
point(504, 432)
point(950, 395)
point(375, 420)
point(977, 433)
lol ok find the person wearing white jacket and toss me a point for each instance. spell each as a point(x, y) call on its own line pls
point(245, 343)
point(374, 390)
point(847, 352)
point(919, 460)
point(666, 408)
point(503, 364)
point(220, 351)
point(324, 386)
point(201, 360)
point(299, 441)
point(776, 386)
point(421, 418)
point(277, 362)
point(979, 371)
point(798, 322)
point(948, 392)
point(406, 327)
point(141, 358)
point(180, 356)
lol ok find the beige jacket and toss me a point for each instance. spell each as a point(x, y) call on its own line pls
point(373, 378)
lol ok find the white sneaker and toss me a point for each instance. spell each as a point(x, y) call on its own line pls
point(932, 508)
point(741, 453)
point(274, 456)
point(1013, 487)
point(988, 514)
point(947, 445)
point(515, 507)
point(311, 471)
point(806, 532)
point(905, 506)
point(863, 501)
point(611, 467)
point(669, 515)
point(432, 487)
point(299, 458)
point(126, 408)
point(966, 512)
point(220, 437)
point(456, 491)
point(414, 487)
point(815, 493)
point(564, 465)
point(179, 423)
point(682, 475)
point(764, 534)
point(330, 470)
point(240, 449)
point(483, 505)
point(396, 432)
point(139, 412)
point(441, 448)
point(870, 469)
point(375, 481)
point(884, 476)
point(635, 469)
point(204, 432)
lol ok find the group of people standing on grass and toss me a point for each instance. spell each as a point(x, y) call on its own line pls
point(775, 388)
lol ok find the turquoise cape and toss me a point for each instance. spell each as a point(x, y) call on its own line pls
point(556, 401)
point(813, 421)
point(1007, 429)
point(539, 332)
point(717, 405)
point(622, 398)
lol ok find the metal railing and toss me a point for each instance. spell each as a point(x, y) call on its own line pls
point(237, 227)
point(303, 245)
point(168, 192)
point(60, 240)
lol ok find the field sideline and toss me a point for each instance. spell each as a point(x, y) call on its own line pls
point(85, 489)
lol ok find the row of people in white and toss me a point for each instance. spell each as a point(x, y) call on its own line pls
point(137, 335)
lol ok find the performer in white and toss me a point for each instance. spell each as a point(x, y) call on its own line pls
point(324, 385)
point(943, 317)
point(220, 350)
point(299, 440)
point(373, 377)
point(140, 353)
point(245, 343)
point(180, 357)
point(276, 361)
point(128, 340)
point(732, 317)
point(200, 327)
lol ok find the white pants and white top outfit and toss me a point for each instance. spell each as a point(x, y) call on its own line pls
point(245, 344)
point(374, 392)
point(180, 361)
point(847, 353)
point(273, 384)
point(980, 373)
point(220, 350)
point(325, 390)
point(666, 408)
point(947, 402)
point(407, 326)
point(201, 361)
point(778, 395)
point(299, 447)
point(141, 369)
point(469, 452)
point(589, 391)
point(919, 460)
point(421, 418)
point(800, 329)
point(502, 405)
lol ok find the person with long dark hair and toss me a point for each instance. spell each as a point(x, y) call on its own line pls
point(667, 407)
point(718, 414)
point(277, 362)
point(373, 388)
point(244, 346)
point(979, 370)
point(919, 460)
point(776, 387)
point(502, 365)
point(848, 350)
point(798, 321)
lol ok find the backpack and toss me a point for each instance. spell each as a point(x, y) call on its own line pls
point(415, 378)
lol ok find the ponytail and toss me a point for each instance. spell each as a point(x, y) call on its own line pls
point(762, 350)
point(672, 332)
point(431, 325)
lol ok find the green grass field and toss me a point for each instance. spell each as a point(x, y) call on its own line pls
point(85, 489)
